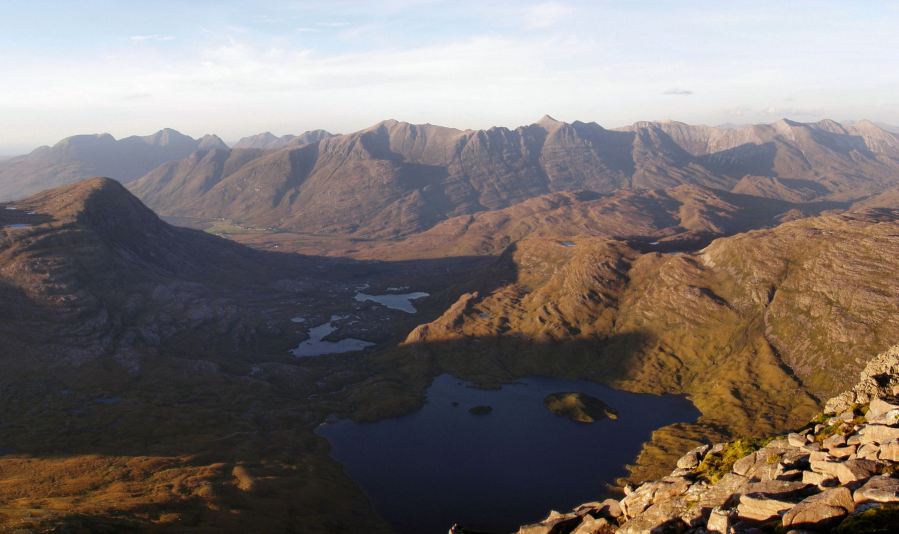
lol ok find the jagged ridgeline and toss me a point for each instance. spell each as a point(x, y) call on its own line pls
point(838, 473)
point(396, 179)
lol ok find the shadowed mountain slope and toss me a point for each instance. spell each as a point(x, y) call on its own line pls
point(396, 179)
point(83, 156)
point(682, 218)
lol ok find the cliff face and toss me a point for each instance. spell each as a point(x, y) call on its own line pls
point(837, 473)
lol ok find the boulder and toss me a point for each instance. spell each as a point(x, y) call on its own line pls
point(855, 472)
point(724, 493)
point(793, 489)
point(820, 511)
point(760, 507)
point(889, 451)
point(826, 467)
point(819, 479)
point(590, 525)
point(743, 465)
point(842, 452)
point(692, 459)
point(837, 440)
point(812, 447)
point(660, 518)
point(878, 433)
point(721, 521)
point(854, 439)
point(609, 508)
point(556, 523)
point(884, 489)
point(891, 418)
point(868, 451)
point(651, 493)
point(797, 440)
point(881, 406)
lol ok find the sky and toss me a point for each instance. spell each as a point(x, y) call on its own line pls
point(241, 68)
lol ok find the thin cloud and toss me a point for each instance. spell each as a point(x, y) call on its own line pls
point(676, 91)
point(546, 14)
point(332, 24)
point(738, 111)
point(154, 37)
point(789, 112)
point(138, 96)
point(301, 30)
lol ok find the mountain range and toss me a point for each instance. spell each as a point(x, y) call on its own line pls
point(148, 382)
point(86, 156)
point(395, 179)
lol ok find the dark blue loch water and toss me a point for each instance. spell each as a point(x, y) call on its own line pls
point(442, 465)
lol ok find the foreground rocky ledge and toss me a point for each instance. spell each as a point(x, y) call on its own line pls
point(840, 473)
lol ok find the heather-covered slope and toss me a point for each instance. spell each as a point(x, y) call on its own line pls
point(83, 156)
point(684, 217)
point(396, 179)
point(755, 327)
point(145, 378)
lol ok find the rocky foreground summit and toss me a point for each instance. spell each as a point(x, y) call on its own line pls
point(839, 473)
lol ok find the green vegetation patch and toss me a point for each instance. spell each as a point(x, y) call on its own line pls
point(881, 519)
point(717, 464)
point(579, 407)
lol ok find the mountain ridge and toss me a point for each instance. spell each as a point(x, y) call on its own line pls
point(84, 156)
point(394, 179)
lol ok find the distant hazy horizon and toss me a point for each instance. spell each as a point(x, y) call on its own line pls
point(231, 142)
point(235, 70)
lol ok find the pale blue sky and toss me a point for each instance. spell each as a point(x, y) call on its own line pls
point(239, 68)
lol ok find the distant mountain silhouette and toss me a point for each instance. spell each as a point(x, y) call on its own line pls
point(269, 140)
point(84, 156)
point(395, 178)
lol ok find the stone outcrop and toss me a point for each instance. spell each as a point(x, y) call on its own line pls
point(840, 465)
